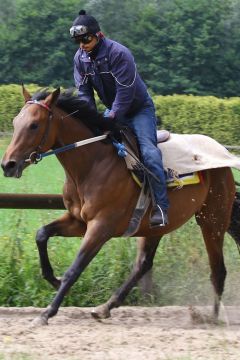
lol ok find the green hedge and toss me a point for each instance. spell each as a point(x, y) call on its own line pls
point(208, 115)
point(218, 118)
point(11, 101)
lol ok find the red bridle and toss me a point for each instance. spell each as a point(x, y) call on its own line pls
point(39, 103)
point(35, 155)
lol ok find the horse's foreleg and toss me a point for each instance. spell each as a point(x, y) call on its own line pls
point(93, 240)
point(64, 226)
point(146, 252)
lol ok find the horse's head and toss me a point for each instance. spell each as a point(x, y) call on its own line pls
point(33, 132)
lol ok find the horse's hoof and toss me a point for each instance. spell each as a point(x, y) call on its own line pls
point(101, 312)
point(39, 321)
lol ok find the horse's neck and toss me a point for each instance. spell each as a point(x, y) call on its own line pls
point(70, 130)
point(78, 162)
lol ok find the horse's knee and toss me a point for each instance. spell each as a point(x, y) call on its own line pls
point(42, 235)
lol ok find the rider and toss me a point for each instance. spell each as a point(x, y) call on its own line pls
point(108, 67)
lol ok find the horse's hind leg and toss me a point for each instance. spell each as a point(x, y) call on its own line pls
point(146, 251)
point(214, 244)
point(64, 226)
point(214, 220)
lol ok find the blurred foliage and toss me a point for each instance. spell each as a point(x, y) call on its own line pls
point(11, 102)
point(207, 115)
point(180, 46)
point(35, 45)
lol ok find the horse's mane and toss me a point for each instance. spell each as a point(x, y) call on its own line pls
point(69, 102)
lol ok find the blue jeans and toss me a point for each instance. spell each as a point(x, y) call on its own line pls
point(144, 126)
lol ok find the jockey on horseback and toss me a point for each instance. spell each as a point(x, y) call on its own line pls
point(108, 67)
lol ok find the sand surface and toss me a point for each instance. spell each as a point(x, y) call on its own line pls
point(132, 333)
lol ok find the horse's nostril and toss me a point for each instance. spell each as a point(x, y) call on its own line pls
point(8, 165)
point(11, 164)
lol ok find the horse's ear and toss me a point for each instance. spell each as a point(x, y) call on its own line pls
point(26, 94)
point(52, 98)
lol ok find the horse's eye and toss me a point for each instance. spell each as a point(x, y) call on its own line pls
point(33, 126)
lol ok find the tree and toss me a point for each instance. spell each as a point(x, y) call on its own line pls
point(7, 10)
point(180, 46)
point(199, 47)
point(36, 46)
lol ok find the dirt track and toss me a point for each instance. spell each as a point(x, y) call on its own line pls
point(133, 333)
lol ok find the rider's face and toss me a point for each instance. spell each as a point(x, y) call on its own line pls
point(88, 45)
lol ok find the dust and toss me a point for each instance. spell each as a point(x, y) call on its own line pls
point(134, 333)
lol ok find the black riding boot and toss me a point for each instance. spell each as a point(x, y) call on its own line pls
point(158, 217)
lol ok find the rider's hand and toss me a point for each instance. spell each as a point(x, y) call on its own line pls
point(108, 114)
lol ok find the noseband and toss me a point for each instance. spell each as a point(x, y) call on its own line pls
point(35, 157)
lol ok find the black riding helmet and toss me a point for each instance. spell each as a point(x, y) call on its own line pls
point(84, 24)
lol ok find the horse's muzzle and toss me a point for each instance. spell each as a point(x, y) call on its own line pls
point(12, 168)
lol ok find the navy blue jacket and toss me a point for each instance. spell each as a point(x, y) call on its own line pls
point(113, 75)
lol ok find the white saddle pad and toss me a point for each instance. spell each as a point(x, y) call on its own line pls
point(190, 153)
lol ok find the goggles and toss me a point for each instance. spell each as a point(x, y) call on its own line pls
point(78, 30)
point(84, 39)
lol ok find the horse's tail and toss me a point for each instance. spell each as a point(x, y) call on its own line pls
point(234, 227)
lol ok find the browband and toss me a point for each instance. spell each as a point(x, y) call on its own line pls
point(39, 103)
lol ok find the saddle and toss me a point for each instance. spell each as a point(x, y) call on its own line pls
point(130, 142)
point(139, 174)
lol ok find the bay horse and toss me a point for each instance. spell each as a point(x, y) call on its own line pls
point(100, 196)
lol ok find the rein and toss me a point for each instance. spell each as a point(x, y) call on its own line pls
point(37, 156)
